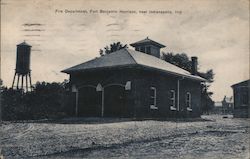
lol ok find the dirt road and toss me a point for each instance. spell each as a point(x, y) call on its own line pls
point(216, 137)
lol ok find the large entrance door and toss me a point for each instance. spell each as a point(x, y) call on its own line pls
point(89, 102)
point(115, 101)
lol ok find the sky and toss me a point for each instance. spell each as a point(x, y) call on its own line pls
point(216, 31)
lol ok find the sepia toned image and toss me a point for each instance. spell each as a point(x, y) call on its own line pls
point(125, 79)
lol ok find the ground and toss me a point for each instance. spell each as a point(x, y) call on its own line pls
point(209, 137)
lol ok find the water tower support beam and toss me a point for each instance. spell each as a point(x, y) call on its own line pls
point(22, 83)
point(18, 81)
point(30, 82)
point(13, 80)
point(26, 76)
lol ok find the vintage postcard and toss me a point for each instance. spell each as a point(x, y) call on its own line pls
point(124, 79)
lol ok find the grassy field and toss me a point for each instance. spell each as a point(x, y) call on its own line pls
point(209, 137)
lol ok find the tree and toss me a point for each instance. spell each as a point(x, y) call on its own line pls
point(184, 62)
point(47, 100)
point(112, 48)
point(180, 60)
point(209, 75)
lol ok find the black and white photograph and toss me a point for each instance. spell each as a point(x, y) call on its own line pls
point(128, 79)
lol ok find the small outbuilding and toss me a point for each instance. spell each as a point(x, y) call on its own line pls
point(135, 83)
point(217, 109)
point(227, 105)
point(241, 99)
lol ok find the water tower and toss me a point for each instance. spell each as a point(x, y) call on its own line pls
point(22, 68)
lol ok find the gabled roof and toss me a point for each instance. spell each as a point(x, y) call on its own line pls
point(147, 41)
point(128, 57)
point(24, 43)
point(243, 83)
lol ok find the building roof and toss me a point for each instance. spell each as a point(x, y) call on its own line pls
point(128, 57)
point(147, 41)
point(243, 83)
point(24, 44)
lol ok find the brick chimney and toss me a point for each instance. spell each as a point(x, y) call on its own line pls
point(194, 65)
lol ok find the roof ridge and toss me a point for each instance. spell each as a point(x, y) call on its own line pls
point(130, 55)
point(158, 59)
point(161, 61)
point(147, 40)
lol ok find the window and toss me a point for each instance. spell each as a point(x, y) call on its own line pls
point(137, 48)
point(172, 100)
point(153, 98)
point(148, 50)
point(142, 49)
point(188, 101)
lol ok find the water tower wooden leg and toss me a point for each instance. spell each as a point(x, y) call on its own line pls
point(22, 83)
point(17, 86)
point(14, 80)
point(26, 82)
point(30, 83)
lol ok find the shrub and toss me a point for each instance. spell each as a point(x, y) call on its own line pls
point(47, 100)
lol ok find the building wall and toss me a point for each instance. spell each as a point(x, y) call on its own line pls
point(195, 89)
point(241, 101)
point(105, 77)
point(241, 97)
point(138, 98)
point(164, 84)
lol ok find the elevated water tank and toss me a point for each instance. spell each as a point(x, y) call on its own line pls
point(23, 58)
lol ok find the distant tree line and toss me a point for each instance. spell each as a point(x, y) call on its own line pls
point(46, 101)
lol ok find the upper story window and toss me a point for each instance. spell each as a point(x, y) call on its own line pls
point(137, 48)
point(142, 49)
point(148, 50)
point(153, 98)
point(172, 100)
point(188, 101)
